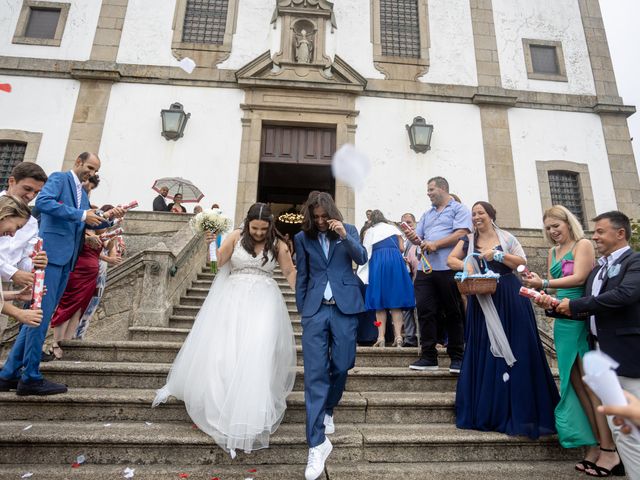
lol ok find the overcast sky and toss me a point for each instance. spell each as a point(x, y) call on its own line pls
point(622, 23)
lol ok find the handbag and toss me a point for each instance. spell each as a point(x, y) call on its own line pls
point(476, 283)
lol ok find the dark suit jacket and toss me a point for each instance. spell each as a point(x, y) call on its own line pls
point(159, 205)
point(315, 270)
point(617, 312)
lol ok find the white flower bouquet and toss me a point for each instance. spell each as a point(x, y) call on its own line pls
point(211, 221)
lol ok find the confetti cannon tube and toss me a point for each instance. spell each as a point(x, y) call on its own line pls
point(524, 271)
point(38, 284)
point(111, 234)
point(129, 205)
point(534, 295)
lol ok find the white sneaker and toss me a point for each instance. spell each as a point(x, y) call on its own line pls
point(329, 426)
point(317, 456)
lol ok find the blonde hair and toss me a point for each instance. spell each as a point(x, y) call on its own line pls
point(11, 206)
point(563, 214)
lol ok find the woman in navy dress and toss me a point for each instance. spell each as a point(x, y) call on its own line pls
point(389, 283)
point(492, 395)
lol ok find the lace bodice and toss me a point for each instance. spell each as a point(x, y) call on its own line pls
point(242, 262)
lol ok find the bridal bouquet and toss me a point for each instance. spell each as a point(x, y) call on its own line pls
point(211, 221)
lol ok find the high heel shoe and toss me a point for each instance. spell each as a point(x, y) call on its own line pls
point(616, 471)
point(398, 341)
point(380, 342)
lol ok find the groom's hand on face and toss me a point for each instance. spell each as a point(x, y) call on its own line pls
point(338, 227)
point(92, 219)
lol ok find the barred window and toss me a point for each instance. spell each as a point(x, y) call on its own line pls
point(205, 21)
point(565, 190)
point(42, 23)
point(544, 59)
point(400, 28)
point(11, 153)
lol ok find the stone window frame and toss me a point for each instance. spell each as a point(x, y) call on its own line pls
point(561, 76)
point(408, 68)
point(218, 52)
point(584, 180)
point(23, 21)
point(32, 139)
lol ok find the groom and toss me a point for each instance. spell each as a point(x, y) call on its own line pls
point(328, 298)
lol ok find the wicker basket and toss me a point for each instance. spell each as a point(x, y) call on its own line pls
point(476, 284)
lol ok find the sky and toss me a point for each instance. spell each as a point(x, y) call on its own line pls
point(622, 21)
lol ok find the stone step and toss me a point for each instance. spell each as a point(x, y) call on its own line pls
point(178, 321)
point(205, 283)
point(79, 374)
point(117, 405)
point(193, 301)
point(203, 292)
point(174, 443)
point(556, 470)
point(165, 352)
point(173, 334)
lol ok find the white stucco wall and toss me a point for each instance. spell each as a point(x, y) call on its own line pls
point(452, 52)
point(397, 183)
point(43, 105)
point(557, 20)
point(543, 135)
point(147, 33)
point(134, 153)
point(77, 39)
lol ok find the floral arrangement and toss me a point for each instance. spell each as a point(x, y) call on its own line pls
point(291, 218)
point(210, 221)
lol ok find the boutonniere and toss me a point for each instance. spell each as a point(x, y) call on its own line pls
point(338, 241)
point(613, 270)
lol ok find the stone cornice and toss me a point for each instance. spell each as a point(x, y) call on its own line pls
point(221, 78)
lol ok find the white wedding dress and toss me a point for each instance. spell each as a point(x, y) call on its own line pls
point(237, 366)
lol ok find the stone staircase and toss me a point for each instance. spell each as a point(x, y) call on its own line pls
point(392, 422)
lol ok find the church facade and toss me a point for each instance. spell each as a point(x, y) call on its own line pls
point(521, 95)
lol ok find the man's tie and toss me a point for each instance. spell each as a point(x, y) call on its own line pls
point(79, 194)
point(324, 241)
point(603, 270)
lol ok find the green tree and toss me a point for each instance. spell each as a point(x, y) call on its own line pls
point(635, 235)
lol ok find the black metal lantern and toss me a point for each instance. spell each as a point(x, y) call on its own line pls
point(420, 135)
point(173, 121)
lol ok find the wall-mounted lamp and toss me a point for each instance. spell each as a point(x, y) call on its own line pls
point(420, 135)
point(173, 121)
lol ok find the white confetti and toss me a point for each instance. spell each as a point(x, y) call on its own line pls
point(81, 459)
point(187, 64)
point(27, 475)
point(107, 425)
point(505, 377)
point(350, 166)
point(129, 472)
point(28, 427)
point(77, 361)
point(148, 423)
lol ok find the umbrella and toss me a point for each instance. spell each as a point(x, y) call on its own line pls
point(190, 193)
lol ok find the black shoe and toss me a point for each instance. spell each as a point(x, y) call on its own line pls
point(40, 387)
point(424, 364)
point(47, 357)
point(455, 366)
point(7, 385)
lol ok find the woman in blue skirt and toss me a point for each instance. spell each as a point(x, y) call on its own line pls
point(389, 283)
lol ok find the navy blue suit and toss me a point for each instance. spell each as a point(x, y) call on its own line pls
point(328, 331)
point(61, 229)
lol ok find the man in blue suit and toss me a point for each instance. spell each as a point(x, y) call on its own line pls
point(65, 211)
point(329, 298)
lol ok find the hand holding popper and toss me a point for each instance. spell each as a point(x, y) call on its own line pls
point(38, 284)
point(535, 295)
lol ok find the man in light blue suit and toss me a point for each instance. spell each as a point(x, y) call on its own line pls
point(329, 298)
point(65, 211)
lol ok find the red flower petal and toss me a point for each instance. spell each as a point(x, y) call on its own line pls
point(75, 465)
point(215, 478)
point(377, 323)
point(194, 426)
point(6, 87)
point(252, 470)
point(183, 475)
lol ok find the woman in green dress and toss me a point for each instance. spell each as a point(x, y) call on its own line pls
point(570, 261)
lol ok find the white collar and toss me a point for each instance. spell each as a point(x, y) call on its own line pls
point(613, 257)
point(76, 180)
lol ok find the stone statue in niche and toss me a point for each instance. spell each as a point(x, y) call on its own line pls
point(304, 47)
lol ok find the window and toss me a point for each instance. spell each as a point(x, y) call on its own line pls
point(11, 153)
point(205, 21)
point(400, 38)
point(400, 28)
point(41, 23)
point(544, 60)
point(565, 190)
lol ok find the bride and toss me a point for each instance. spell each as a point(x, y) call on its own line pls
point(237, 366)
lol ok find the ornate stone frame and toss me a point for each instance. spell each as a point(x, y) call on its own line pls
point(292, 107)
point(32, 139)
point(561, 76)
point(582, 169)
point(204, 54)
point(401, 68)
point(23, 20)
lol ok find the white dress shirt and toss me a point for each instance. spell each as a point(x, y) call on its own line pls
point(78, 184)
point(15, 251)
point(605, 263)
